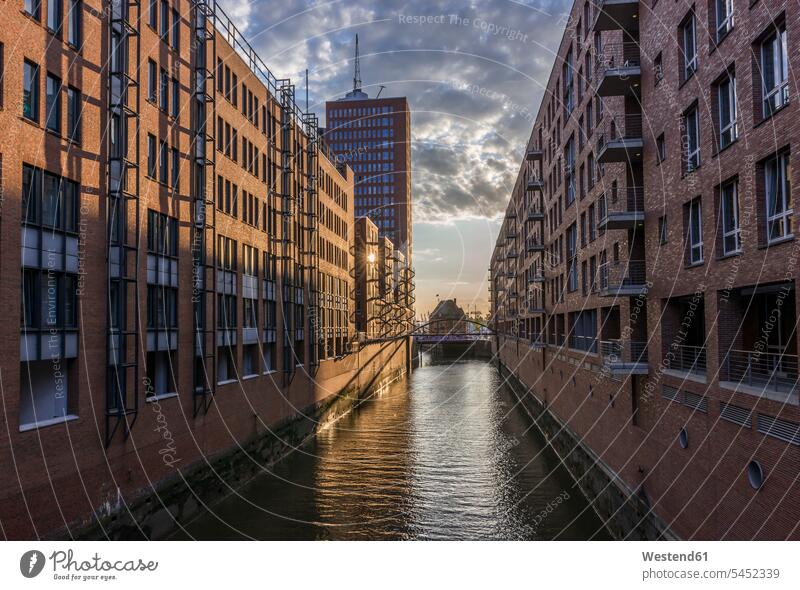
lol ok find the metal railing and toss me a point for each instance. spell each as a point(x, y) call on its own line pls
point(628, 126)
point(623, 351)
point(622, 273)
point(688, 359)
point(617, 55)
point(585, 343)
point(533, 242)
point(629, 199)
point(767, 370)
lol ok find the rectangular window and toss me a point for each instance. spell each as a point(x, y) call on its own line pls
point(728, 131)
point(779, 198)
point(658, 68)
point(662, 230)
point(691, 121)
point(75, 23)
point(176, 98)
point(688, 33)
point(53, 103)
point(151, 156)
point(34, 8)
point(661, 149)
point(163, 165)
point(163, 90)
point(153, 13)
point(774, 72)
point(152, 81)
point(176, 168)
point(74, 105)
point(176, 30)
point(30, 91)
point(164, 20)
point(695, 232)
point(569, 170)
point(54, 16)
point(724, 18)
point(729, 217)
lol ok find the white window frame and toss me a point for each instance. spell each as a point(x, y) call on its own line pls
point(695, 237)
point(730, 227)
point(689, 33)
point(728, 131)
point(776, 96)
point(778, 190)
point(724, 18)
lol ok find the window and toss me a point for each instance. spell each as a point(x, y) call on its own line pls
point(774, 72)
point(74, 105)
point(75, 23)
point(724, 18)
point(151, 156)
point(692, 139)
point(572, 254)
point(2, 72)
point(658, 68)
point(176, 98)
point(54, 16)
point(163, 166)
point(661, 149)
point(569, 170)
point(30, 91)
point(53, 103)
point(176, 30)
point(695, 232)
point(729, 217)
point(728, 131)
point(163, 90)
point(153, 13)
point(662, 230)
point(152, 81)
point(49, 200)
point(33, 8)
point(688, 32)
point(176, 168)
point(164, 20)
point(779, 198)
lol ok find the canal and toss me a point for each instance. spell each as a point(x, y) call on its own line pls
point(446, 454)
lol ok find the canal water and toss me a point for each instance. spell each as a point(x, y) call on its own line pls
point(446, 454)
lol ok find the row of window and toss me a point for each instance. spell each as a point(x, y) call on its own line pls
point(61, 15)
point(56, 95)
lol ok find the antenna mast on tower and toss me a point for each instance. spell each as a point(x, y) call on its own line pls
point(357, 75)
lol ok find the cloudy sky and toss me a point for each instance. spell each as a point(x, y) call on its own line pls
point(473, 72)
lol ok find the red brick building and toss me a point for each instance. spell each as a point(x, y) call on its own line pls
point(177, 242)
point(644, 281)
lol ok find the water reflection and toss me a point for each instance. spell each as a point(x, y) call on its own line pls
point(444, 455)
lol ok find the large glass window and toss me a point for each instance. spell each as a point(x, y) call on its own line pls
point(695, 232)
point(724, 17)
point(775, 72)
point(74, 114)
point(691, 121)
point(728, 130)
point(34, 8)
point(30, 91)
point(779, 198)
point(689, 39)
point(74, 21)
point(53, 103)
point(54, 15)
point(729, 213)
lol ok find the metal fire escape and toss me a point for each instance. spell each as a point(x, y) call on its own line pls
point(289, 220)
point(311, 255)
point(122, 219)
point(204, 237)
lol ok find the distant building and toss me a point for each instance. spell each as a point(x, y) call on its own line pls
point(448, 318)
point(373, 136)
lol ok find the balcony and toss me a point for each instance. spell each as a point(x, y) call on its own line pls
point(621, 140)
point(534, 244)
point(536, 277)
point(769, 374)
point(623, 278)
point(533, 306)
point(687, 359)
point(623, 213)
point(511, 215)
point(618, 68)
point(537, 341)
point(612, 15)
point(534, 184)
point(533, 154)
point(511, 254)
point(624, 357)
point(535, 212)
point(511, 235)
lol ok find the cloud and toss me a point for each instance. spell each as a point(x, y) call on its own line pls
point(473, 73)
